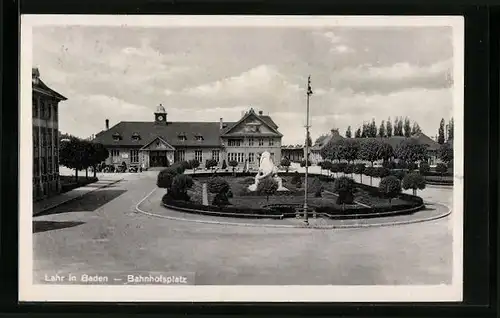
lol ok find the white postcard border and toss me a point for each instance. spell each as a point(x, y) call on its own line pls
point(37, 292)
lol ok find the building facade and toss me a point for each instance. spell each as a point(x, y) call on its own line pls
point(162, 142)
point(45, 110)
point(294, 153)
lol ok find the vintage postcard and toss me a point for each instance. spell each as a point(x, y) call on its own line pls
point(241, 158)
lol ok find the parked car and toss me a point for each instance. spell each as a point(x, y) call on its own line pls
point(133, 169)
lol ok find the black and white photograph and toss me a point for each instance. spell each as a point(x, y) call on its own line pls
point(241, 158)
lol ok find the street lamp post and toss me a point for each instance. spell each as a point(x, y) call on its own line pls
point(309, 93)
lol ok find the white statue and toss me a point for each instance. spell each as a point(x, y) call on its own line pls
point(267, 169)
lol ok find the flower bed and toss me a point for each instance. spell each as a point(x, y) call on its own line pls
point(245, 203)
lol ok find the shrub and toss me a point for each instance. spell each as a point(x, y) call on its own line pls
point(359, 168)
point(295, 178)
point(401, 165)
point(210, 163)
point(285, 163)
point(178, 167)
point(400, 174)
point(413, 181)
point(233, 164)
point(424, 167)
point(382, 172)
point(303, 163)
point(316, 187)
point(298, 184)
point(369, 171)
point(185, 165)
point(219, 187)
point(194, 164)
point(180, 184)
point(389, 164)
point(334, 168)
point(326, 165)
point(441, 168)
point(348, 168)
point(267, 186)
point(390, 187)
point(412, 166)
point(165, 178)
point(344, 186)
point(342, 166)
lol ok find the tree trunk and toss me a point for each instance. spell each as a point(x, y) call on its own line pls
point(414, 191)
point(95, 171)
point(86, 173)
point(76, 175)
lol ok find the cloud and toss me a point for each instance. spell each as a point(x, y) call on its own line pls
point(263, 79)
point(399, 76)
point(341, 49)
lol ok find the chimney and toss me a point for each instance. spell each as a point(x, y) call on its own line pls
point(35, 75)
point(107, 124)
point(260, 112)
point(221, 124)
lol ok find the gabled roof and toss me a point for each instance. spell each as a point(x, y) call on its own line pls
point(266, 120)
point(322, 142)
point(39, 86)
point(168, 132)
point(167, 145)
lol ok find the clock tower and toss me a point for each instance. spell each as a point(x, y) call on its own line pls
point(160, 115)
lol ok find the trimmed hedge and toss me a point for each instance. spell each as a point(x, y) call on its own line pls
point(438, 180)
point(220, 210)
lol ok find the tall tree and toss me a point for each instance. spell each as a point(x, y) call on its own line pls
point(373, 128)
point(381, 130)
point(364, 131)
point(396, 121)
point(407, 127)
point(410, 151)
point(450, 129)
point(388, 128)
point(415, 129)
point(71, 154)
point(400, 127)
point(348, 149)
point(358, 133)
point(348, 133)
point(441, 132)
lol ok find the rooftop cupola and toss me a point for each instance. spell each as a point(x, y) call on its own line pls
point(160, 115)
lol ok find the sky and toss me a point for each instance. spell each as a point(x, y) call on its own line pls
point(203, 74)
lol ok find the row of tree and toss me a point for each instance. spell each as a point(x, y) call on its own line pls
point(401, 127)
point(442, 138)
point(79, 154)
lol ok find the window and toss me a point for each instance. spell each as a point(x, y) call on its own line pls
point(234, 142)
point(250, 141)
point(49, 163)
point(44, 166)
point(115, 155)
point(182, 137)
point(179, 155)
point(35, 137)
point(136, 136)
point(134, 156)
point(44, 137)
point(215, 155)
point(271, 142)
point(49, 110)
point(236, 156)
point(34, 110)
point(36, 166)
point(42, 109)
point(261, 142)
point(55, 111)
point(117, 136)
point(198, 155)
point(251, 157)
point(198, 138)
point(56, 161)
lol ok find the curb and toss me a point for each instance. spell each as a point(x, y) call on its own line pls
point(298, 226)
point(76, 197)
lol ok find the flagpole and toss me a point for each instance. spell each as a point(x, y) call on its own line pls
point(309, 92)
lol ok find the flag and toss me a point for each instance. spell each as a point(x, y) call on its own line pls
point(309, 89)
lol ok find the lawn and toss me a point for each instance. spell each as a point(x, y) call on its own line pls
point(242, 198)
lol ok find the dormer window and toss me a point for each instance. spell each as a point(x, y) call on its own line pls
point(136, 136)
point(182, 137)
point(117, 136)
point(198, 137)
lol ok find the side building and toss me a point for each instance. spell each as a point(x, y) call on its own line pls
point(162, 142)
point(45, 110)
